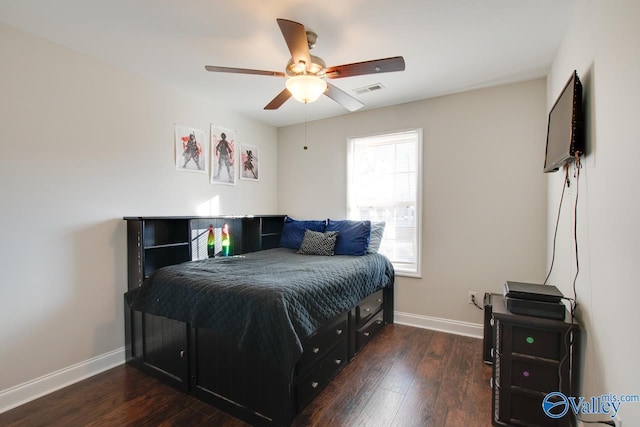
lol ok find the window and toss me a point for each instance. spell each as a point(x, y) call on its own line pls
point(384, 184)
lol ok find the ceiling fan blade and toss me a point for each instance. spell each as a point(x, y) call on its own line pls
point(280, 99)
point(375, 66)
point(243, 71)
point(343, 98)
point(295, 36)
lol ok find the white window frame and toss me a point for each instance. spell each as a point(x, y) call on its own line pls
point(401, 269)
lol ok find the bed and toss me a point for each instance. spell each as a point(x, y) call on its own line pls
point(259, 334)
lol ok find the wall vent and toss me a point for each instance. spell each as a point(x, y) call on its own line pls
point(367, 89)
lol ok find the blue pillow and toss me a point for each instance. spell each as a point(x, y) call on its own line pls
point(353, 237)
point(293, 231)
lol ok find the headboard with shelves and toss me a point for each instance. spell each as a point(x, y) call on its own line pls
point(155, 242)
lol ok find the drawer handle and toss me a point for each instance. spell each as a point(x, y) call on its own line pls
point(378, 322)
point(367, 309)
point(314, 384)
point(182, 354)
point(338, 331)
point(525, 374)
point(338, 361)
point(530, 340)
point(366, 334)
point(379, 299)
point(315, 350)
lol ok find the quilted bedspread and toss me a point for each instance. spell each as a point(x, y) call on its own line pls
point(267, 301)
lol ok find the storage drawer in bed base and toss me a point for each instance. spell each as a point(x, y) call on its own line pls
point(317, 346)
point(312, 383)
point(368, 331)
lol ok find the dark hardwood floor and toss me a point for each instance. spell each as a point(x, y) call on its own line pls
point(404, 377)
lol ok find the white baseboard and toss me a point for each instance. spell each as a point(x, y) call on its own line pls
point(474, 330)
point(31, 390)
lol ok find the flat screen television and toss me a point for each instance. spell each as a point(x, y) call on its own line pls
point(564, 131)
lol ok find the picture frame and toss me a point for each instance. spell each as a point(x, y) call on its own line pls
point(190, 149)
point(223, 155)
point(249, 162)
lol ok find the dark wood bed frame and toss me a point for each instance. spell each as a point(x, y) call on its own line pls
point(202, 362)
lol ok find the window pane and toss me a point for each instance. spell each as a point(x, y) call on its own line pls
point(384, 184)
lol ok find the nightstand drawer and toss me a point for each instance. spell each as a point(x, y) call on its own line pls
point(535, 375)
point(517, 407)
point(526, 410)
point(536, 342)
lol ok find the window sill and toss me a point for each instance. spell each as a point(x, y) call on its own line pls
point(412, 274)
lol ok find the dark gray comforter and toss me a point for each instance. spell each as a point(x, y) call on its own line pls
point(267, 301)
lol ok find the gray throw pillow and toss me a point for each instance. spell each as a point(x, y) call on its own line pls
point(316, 243)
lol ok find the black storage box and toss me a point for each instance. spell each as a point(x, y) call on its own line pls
point(547, 310)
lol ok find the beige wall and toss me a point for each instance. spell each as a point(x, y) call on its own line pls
point(84, 144)
point(601, 43)
point(484, 192)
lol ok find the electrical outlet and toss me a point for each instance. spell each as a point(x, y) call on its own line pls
point(617, 422)
point(473, 296)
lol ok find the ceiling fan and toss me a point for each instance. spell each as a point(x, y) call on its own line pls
point(307, 73)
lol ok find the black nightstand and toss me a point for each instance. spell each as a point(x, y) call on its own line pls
point(532, 356)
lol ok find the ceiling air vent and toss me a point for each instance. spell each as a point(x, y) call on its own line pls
point(367, 89)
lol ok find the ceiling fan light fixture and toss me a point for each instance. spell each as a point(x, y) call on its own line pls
point(306, 88)
point(296, 68)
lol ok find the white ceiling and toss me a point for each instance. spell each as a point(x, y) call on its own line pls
point(448, 45)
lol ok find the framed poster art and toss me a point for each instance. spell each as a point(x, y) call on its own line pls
point(250, 162)
point(223, 155)
point(190, 148)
